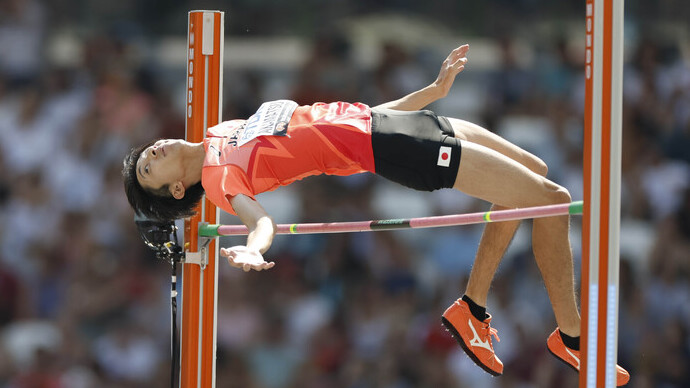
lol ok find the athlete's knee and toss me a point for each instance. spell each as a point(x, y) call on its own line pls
point(541, 167)
point(537, 165)
point(551, 193)
point(560, 195)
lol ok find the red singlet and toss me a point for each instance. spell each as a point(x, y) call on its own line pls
point(332, 139)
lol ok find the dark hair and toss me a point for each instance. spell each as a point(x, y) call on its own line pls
point(159, 203)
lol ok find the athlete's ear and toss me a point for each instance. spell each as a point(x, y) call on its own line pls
point(177, 190)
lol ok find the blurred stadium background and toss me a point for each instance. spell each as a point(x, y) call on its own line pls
point(83, 303)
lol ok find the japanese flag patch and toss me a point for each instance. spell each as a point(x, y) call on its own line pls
point(444, 156)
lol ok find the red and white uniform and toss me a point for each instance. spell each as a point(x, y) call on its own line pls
point(332, 139)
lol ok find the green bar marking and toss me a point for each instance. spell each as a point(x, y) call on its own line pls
point(208, 230)
point(575, 207)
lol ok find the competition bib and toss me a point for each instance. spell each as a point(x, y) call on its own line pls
point(272, 118)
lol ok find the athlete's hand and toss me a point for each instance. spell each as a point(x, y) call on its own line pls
point(240, 256)
point(452, 66)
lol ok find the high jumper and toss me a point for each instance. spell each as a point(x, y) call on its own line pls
point(283, 142)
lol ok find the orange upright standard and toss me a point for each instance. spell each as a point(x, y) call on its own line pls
point(602, 186)
point(200, 271)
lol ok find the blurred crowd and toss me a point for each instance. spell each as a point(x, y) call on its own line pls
point(83, 303)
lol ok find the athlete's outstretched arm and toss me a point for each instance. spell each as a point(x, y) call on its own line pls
point(452, 66)
point(261, 231)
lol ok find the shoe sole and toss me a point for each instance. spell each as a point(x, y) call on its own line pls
point(454, 333)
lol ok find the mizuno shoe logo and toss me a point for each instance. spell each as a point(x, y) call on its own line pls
point(577, 359)
point(476, 341)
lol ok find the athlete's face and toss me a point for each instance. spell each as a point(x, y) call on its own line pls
point(161, 164)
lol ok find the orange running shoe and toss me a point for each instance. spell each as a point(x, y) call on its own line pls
point(572, 357)
point(473, 335)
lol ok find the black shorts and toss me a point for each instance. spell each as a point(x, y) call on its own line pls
point(416, 149)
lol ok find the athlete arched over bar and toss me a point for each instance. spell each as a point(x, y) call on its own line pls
point(284, 142)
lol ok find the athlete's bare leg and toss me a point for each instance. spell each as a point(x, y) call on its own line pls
point(492, 246)
point(490, 167)
point(496, 236)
